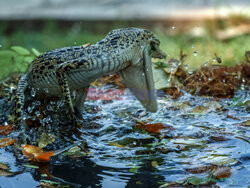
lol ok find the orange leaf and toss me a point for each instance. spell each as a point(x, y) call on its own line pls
point(36, 154)
point(44, 157)
point(6, 142)
point(5, 129)
point(222, 172)
point(152, 128)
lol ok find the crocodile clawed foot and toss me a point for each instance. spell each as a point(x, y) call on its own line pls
point(76, 123)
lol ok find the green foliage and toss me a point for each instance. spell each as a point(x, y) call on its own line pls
point(16, 59)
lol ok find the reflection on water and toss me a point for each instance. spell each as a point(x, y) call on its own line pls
point(119, 155)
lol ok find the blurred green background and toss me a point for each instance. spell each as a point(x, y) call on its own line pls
point(199, 40)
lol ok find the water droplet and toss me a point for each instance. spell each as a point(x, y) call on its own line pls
point(243, 80)
point(49, 108)
point(173, 70)
point(205, 64)
point(12, 89)
point(29, 109)
point(37, 103)
point(195, 53)
point(173, 27)
point(37, 113)
point(214, 59)
point(33, 92)
point(224, 81)
point(186, 66)
point(190, 72)
point(242, 87)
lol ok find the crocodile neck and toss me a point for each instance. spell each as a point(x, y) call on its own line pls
point(109, 64)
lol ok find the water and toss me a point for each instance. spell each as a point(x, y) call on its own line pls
point(121, 155)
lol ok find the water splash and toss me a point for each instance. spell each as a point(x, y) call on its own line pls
point(33, 92)
point(195, 53)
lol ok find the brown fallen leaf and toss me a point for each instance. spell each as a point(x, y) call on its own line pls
point(222, 172)
point(200, 169)
point(152, 128)
point(36, 154)
point(6, 142)
point(4, 130)
point(218, 138)
point(245, 123)
point(200, 109)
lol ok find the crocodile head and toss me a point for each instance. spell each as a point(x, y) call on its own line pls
point(138, 77)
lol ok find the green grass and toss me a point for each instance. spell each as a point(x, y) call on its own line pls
point(50, 37)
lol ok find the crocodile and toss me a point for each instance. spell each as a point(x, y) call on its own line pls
point(60, 72)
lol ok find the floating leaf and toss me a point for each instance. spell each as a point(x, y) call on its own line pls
point(36, 154)
point(152, 128)
point(222, 172)
point(20, 50)
point(4, 130)
point(6, 142)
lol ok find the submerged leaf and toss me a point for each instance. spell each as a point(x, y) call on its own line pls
point(45, 139)
point(222, 172)
point(200, 169)
point(152, 128)
point(197, 180)
point(134, 169)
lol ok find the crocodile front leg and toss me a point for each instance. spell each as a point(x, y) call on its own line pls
point(81, 95)
point(22, 85)
point(63, 83)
